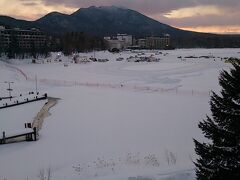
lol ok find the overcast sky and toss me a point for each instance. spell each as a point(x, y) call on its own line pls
point(221, 16)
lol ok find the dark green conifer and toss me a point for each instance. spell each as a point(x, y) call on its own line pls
point(219, 158)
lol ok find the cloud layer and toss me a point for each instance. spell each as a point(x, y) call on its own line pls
point(179, 13)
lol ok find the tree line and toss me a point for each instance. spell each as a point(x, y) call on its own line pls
point(207, 41)
point(80, 42)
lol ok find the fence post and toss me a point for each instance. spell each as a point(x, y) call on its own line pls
point(4, 140)
point(35, 133)
point(26, 137)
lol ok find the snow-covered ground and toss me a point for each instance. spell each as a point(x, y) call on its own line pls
point(14, 118)
point(115, 120)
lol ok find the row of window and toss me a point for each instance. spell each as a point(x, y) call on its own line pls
point(25, 46)
point(22, 41)
point(25, 37)
point(21, 33)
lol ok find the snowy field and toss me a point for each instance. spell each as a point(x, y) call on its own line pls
point(115, 120)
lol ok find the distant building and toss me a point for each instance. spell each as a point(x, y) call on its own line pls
point(141, 43)
point(24, 39)
point(127, 39)
point(120, 42)
point(116, 44)
point(160, 42)
point(124, 41)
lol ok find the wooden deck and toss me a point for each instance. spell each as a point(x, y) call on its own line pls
point(30, 136)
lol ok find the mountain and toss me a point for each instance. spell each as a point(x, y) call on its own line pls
point(108, 21)
point(100, 21)
point(11, 22)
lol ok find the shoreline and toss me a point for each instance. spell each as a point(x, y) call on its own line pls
point(43, 113)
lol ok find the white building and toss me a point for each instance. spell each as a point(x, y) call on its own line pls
point(116, 44)
point(121, 41)
point(128, 39)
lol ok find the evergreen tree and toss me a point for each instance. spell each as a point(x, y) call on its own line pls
point(1, 45)
point(219, 158)
point(33, 49)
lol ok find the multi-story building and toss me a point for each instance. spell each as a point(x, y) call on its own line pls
point(23, 39)
point(120, 42)
point(160, 42)
point(123, 41)
point(127, 39)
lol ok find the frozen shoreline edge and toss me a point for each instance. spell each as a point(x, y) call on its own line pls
point(43, 113)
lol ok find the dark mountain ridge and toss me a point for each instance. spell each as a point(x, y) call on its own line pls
point(100, 21)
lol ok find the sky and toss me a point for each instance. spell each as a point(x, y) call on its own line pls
point(215, 16)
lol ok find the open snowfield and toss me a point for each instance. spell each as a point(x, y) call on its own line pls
point(114, 120)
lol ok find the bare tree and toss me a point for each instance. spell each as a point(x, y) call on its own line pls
point(45, 176)
point(49, 173)
point(41, 174)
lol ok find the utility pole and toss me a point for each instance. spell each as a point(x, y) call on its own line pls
point(9, 88)
point(36, 84)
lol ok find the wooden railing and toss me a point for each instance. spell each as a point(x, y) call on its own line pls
point(30, 136)
point(24, 102)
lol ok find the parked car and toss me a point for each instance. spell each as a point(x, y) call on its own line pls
point(102, 60)
point(120, 59)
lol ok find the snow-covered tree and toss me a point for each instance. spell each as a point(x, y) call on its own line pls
point(219, 158)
